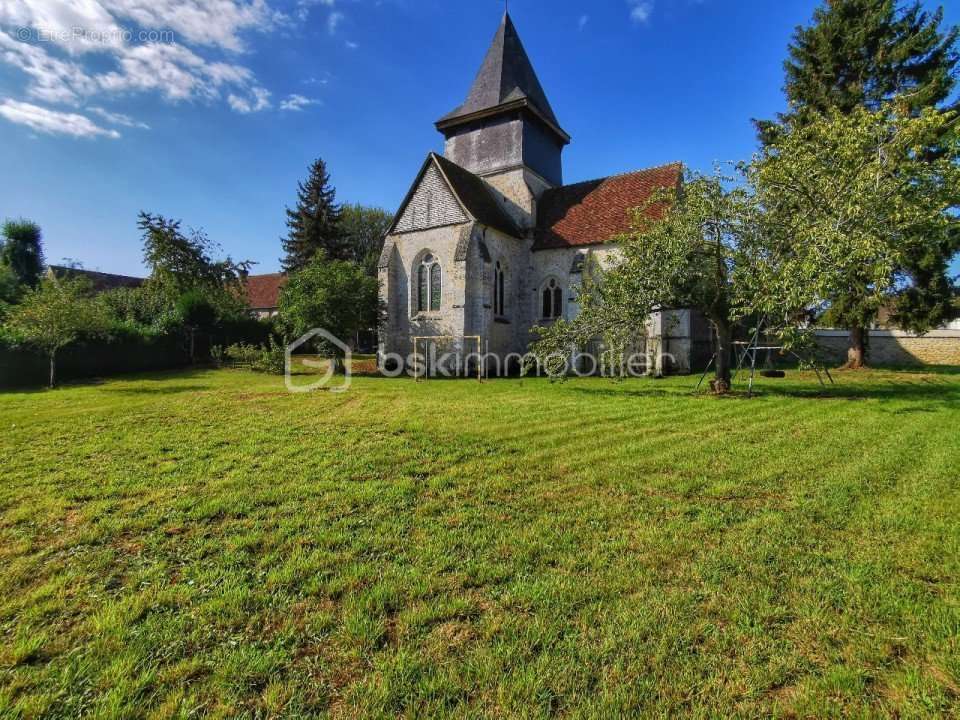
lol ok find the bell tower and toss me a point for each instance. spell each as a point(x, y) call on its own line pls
point(506, 124)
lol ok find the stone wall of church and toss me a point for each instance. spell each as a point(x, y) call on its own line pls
point(520, 189)
point(505, 333)
point(399, 294)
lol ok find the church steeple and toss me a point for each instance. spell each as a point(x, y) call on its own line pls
point(506, 105)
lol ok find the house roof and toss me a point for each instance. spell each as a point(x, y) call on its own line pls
point(263, 291)
point(101, 281)
point(593, 212)
point(506, 80)
point(478, 199)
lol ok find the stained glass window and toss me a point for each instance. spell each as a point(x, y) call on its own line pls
point(422, 288)
point(435, 287)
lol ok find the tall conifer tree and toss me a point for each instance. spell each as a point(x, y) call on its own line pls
point(314, 224)
point(22, 251)
point(863, 53)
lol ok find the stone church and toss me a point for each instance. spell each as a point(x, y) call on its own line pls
point(489, 241)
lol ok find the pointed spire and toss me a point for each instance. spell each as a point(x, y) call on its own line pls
point(506, 76)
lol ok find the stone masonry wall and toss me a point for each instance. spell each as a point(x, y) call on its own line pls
point(894, 347)
point(404, 322)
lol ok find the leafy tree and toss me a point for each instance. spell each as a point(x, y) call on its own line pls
point(197, 314)
point(180, 263)
point(847, 198)
point(143, 310)
point(22, 251)
point(9, 287)
point(687, 258)
point(54, 315)
point(363, 229)
point(334, 295)
point(314, 224)
point(864, 54)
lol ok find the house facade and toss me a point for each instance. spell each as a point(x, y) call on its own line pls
point(489, 242)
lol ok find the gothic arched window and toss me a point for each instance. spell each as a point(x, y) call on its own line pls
point(551, 300)
point(498, 287)
point(429, 284)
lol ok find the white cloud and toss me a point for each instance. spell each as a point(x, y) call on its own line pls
point(582, 22)
point(257, 101)
point(351, 45)
point(640, 10)
point(52, 122)
point(51, 79)
point(296, 102)
point(334, 20)
point(54, 38)
point(115, 118)
point(215, 23)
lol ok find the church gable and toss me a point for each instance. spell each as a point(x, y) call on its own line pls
point(431, 205)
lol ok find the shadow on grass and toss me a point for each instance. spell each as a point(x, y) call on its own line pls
point(171, 389)
point(899, 386)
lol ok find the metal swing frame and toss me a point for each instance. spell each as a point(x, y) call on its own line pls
point(749, 349)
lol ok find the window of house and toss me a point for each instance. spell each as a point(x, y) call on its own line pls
point(498, 290)
point(551, 300)
point(429, 284)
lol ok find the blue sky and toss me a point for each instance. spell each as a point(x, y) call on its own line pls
point(214, 112)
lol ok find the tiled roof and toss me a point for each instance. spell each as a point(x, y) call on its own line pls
point(101, 281)
point(593, 212)
point(477, 196)
point(263, 291)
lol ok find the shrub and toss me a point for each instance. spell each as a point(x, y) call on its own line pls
point(269, 358)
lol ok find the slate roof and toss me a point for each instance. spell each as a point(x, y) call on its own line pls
point(593, 212)
point(263, 291)
point(477, 197)
point(480, 200)
point(101, 281)
point(506, 79)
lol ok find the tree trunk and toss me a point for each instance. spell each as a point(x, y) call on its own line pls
point(193, 335)
point(721, 382)
point(53, 370)
point(857, 349)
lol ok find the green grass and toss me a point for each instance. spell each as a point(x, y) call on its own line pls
point(206, 544)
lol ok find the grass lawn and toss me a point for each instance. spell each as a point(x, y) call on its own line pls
point(206, 544)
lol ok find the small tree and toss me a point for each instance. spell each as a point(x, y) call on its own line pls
point(847, 198)
point(22, 251)
point(336, 296)
point(314, 224)
point(686, 258)
point(54, 315)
